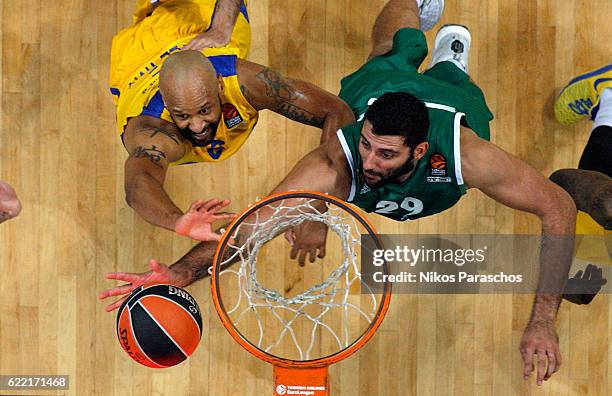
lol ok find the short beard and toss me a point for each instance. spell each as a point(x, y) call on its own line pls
point(405, 168)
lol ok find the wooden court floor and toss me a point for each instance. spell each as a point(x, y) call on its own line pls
point(59, 150)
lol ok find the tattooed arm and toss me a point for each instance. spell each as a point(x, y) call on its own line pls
point(297, 100)
point(152, 144)
point(220, 31)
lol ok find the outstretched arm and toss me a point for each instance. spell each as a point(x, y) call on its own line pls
point(515, 184)
point(297, 100)
point(153, 144)
point(324, 170)
point(220, 31)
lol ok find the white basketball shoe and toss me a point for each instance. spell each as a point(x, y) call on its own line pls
point(430, 12)
point(452, 44)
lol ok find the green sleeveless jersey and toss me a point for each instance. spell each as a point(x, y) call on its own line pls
point(436, 183)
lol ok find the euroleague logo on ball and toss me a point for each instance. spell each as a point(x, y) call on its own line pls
point(281, 389)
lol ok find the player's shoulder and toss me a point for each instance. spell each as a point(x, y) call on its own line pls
point(146, 132)
point(334, 154)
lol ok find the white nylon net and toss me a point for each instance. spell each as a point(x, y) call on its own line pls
point(294, 312)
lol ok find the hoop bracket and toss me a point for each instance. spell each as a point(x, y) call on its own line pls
point(312, 381)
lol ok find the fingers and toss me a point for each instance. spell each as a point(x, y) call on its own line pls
point(557, 358)
point(115, 305)
point(599, 276)
point(190, 46)
point(527, 361)
point(123, 276)
point(302, 254)
point(548, 361)
point(541, 366)
point(196, 206)
point(589, 271)
point(157, 267)
point(213, 236)
point(224, 216)
point(294, 251)
point(302, 257)
point(198, 43)
point(321, 252)
point(116, 291)
point(553, 365)
point(211, 203)
point(219, 205)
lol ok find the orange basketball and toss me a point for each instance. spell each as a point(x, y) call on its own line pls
point(159, 325)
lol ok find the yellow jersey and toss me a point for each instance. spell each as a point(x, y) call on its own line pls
point(593, 242)
point(138, 52)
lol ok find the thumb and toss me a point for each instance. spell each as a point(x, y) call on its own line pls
point(156, 266)
point(290, 237)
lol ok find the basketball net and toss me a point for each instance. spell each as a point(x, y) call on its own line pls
point(300, 334)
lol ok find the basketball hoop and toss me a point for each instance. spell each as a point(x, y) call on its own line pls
point(299, 319)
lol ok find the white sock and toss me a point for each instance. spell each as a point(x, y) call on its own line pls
point(419, 3)
point(604, 114)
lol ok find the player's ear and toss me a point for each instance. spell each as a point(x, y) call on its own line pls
point(420, 150)
point(220, 84)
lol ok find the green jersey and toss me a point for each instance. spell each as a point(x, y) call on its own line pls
point(452, 100)
point(435, 184)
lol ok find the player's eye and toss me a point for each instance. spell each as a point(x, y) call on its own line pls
point(204, 111)
point(386, 155)
point(182, 116)
point(365, 143)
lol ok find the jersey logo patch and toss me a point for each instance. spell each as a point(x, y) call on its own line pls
point(437, 169)
point(437, 165)
point(216, 149)
point(231, 116)
point(365, 189)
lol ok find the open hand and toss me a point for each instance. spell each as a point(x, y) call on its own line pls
point(306, 239)
point(584, 286)
point(159, 273)
point(211, 38)
point(540, 351)
point(197, 222)
point(9, 203)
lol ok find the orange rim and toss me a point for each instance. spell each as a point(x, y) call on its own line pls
point(246, 344)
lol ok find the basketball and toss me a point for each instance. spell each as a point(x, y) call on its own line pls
point(159, 325)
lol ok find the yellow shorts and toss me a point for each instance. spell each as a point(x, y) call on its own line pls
point(593, 243)
point(173, 21)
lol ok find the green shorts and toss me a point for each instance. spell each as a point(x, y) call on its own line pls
point(403, 61)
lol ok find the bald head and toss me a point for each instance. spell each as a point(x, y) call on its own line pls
point(187, 71)
point(192, 93)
